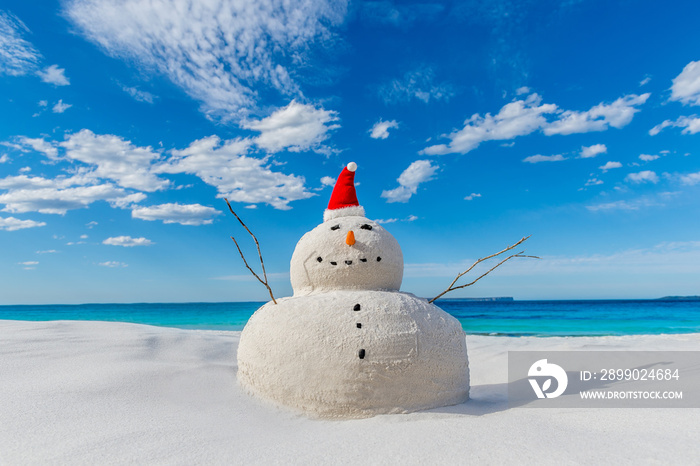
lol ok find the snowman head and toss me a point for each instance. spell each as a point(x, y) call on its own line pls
point(347, 251)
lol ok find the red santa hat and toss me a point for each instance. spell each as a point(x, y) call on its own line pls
point(343, 201)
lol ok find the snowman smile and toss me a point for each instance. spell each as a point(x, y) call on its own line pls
point(347, 262)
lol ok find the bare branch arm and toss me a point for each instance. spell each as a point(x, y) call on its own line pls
point(262, 263)
point(257, 244)
point(460, 275)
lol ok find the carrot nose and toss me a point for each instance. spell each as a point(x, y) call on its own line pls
point(350, 239)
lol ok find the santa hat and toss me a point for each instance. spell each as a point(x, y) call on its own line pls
point(343, 201)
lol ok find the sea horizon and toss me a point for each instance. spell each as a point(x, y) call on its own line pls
point(478, 316)
point(474, 299)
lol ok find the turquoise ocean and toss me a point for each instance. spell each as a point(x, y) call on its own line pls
point(505, 318)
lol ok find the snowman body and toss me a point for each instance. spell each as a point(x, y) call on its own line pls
point(348, 343)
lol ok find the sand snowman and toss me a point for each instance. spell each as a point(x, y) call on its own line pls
point(348, 343)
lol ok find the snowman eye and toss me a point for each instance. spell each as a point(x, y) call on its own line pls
point(335, 227)
point(366, 227)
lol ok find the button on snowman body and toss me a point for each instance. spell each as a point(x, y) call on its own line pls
point(349, 343)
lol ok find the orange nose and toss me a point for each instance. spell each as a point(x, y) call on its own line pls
point(350, 239)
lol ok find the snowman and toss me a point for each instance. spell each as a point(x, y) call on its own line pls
point(348, 343)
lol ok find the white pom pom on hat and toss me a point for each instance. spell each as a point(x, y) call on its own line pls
point(343, 202)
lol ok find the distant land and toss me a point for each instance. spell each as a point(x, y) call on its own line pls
point(501, 298)
point(679, 298)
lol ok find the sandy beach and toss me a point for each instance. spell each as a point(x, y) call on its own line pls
point(113, 393)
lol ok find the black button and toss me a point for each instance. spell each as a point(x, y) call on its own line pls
point(362, 354)
point(356, 308)
point(359, 325)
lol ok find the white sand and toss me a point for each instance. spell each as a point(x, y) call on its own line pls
point(113, 393)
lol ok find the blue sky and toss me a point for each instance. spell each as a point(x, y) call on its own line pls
point(124, 124)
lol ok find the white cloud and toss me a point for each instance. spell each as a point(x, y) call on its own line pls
point(686, 86)
point(137, 94)
point(221, 53)
point(184, 214)
point(239, 178)
point(472, 196)
point(646, 176)
point(617, 205)
point(410, 218)
point(54, 75)
point(660, 127)
point(633, 204)
point(592, 151)
point(328, 181)
point(418, 172)
point(48, 251)
point(4, 158)
point(43, 103)
point(40, 145)
point(647, 157)
point(416, 84)
point(523, 117)
point(399, 14)
point(691, 178)
point(593, 182)
point(107, 157)
point(60, 107)
point(610, 166)
point(516, 118)
point(690, 125)
point(522, 90)
point(57, 196)
point(599, 118)
point(296, 128)
point(13, 224)
point(644, 81)
point(116, 159)
point(380, 130)
point(29, 265)
point(17, 56)
point(223, 164)
point(127, 241)
point(544, 158)
point(113, 264)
